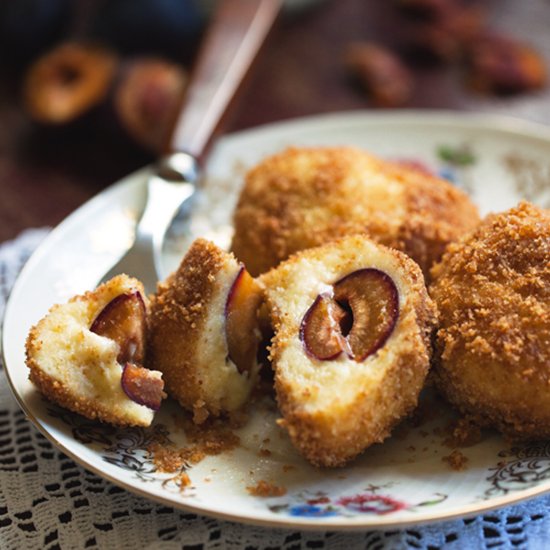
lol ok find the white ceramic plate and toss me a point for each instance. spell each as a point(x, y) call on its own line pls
point(401, 482)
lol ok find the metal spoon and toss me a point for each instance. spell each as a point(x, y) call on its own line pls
point(233, 39)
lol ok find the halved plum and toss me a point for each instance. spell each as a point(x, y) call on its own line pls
point(143, 386)
point(357, 319)
point(242, 330)
point(373, 299)
point(321, 328)
point(123, 320)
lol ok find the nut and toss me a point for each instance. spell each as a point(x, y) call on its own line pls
point(500, 64)
point(446, 37)
point(385, 78)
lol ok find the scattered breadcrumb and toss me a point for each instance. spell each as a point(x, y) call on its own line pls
point(456, 460)
point(266, 489)
point(182, 480)
point(463, 432)
point(168, 459)
point(211, 438)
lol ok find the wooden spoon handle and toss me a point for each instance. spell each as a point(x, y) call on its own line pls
point(233, 38)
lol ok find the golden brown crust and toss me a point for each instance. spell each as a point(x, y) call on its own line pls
point(493, 292)
point(333, 436)
point(437, 213)
point(64, 393)
point(314, 435)
point(57, 392)
point(178, 311)
point(305, 197)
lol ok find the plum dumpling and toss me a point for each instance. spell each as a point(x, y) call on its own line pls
point(87, 355)
point(204, 332)
point(352, 322)
point(304, 197)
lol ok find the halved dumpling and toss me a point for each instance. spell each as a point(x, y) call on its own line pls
point(86, 355)
point(351, 350)
point(204, 331)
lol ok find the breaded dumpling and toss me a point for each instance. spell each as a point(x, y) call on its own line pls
point(203, 331)
point(305, 197)
point(351, 350)
point(493, 347)
point(86, 355)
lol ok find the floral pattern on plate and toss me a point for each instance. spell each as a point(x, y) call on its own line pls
point(520, 467)
point(453, 164)
point(367, 501)
point(523, 467)
point(127, 448)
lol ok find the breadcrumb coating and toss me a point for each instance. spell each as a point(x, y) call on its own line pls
point(305, 197)
point(492, 289)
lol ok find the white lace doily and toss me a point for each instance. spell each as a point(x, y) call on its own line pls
point(49, 502)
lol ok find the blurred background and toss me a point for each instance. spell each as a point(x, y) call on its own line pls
point(89, 88)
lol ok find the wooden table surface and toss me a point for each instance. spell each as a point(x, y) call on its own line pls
point(46, 175)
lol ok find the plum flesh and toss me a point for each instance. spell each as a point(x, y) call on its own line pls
point(142, 386)
point(123, 320)
point(241, 321)
point(321, 328)
point(356, 319)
